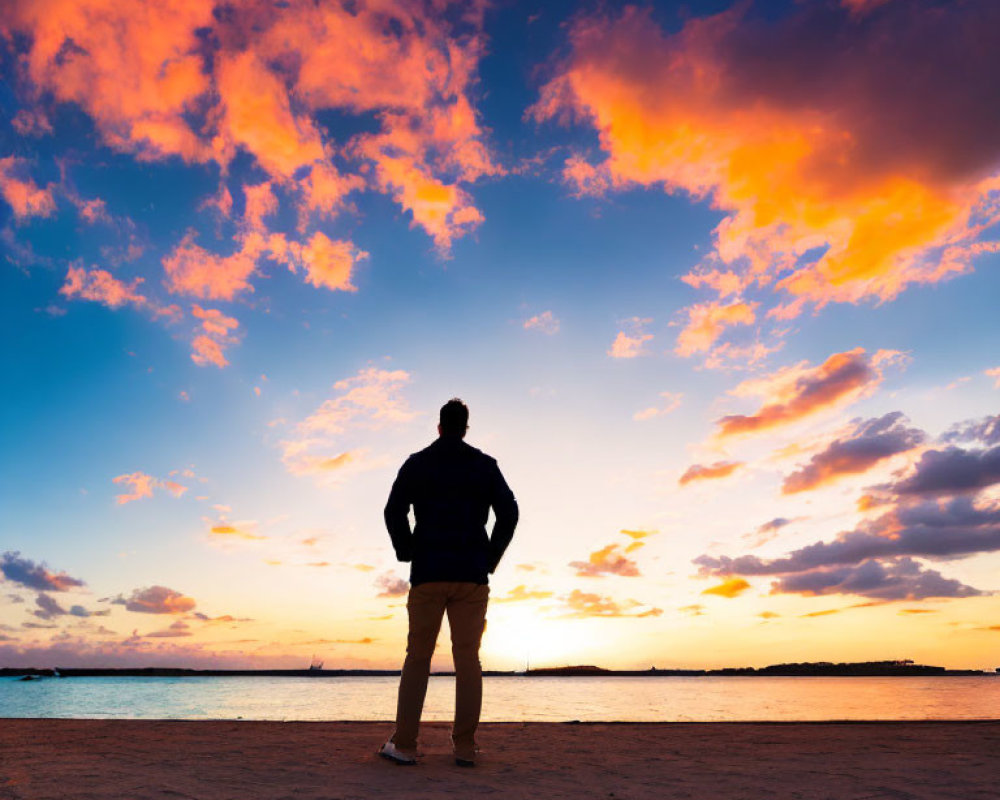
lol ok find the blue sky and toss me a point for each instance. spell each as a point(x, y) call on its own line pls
point(530, 199)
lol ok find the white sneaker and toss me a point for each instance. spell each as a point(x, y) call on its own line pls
point(390, 752)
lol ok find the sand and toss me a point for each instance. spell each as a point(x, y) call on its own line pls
point(212, 760)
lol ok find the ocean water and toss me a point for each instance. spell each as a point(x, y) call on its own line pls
point(513, 698)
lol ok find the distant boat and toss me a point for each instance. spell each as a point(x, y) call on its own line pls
point(316, 665)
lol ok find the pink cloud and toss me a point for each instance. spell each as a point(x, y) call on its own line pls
point(21, 192)
point(207, 347)
point(142, 485)
point(545, 322)
point(672, 401)
point(206, 350)
point(156, 600)
point(102, 287)
point(390, 585)
point(369, 400)
point(699, 472)
point(609, 560)
point(31, 122)
point(195, 271)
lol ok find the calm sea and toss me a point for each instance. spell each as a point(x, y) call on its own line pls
point(513, 698)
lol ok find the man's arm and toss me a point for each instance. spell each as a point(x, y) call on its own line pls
point(396, 510)
point(505, 508)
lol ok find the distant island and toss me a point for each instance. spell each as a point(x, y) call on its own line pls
point(807, 668)
point(814, 668)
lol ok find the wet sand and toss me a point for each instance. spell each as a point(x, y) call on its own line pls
point(212, 760)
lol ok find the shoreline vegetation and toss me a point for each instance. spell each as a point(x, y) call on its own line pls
point(902, 668)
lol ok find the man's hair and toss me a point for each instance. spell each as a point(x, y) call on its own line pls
point(454, 418)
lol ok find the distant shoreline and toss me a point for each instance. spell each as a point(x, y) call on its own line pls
point(807, 669)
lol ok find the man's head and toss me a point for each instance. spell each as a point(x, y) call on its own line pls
point(454, 418)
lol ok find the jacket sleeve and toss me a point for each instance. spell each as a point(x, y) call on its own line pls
point(396, 510)
point(505, 509)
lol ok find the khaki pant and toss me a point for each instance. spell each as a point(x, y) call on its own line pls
point(426, 605)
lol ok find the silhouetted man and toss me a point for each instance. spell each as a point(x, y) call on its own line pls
point(452, 487)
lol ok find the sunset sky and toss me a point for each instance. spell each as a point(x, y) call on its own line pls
point(718, 283)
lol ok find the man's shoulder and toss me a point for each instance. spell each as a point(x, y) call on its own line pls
point(479, 455)
point(440, 449)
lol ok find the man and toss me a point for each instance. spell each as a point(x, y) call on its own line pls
point(452, 487)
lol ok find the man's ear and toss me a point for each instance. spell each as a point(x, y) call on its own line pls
point(439, 429)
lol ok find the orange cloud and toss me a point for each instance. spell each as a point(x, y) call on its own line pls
point(836, 186)
point(182, 80)
point(586, 604)
point(637, 538)
point(608, 560)
point(699, 472)
point(21, 192)
point(156, 600)
point(135, 74)
point(329, 262)
point(521, 593)
point(101, 287)
point(733, 587)
point(238, 530)
point(708, 321)
point(631, 346)
point(256, 115)
point(445, 211)
point(825, 613)
point(797, 392)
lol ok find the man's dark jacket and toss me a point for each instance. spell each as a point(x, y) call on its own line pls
point(451, 486)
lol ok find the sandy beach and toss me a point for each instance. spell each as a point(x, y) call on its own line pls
point(212, 760)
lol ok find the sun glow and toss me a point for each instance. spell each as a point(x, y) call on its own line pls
point(518, 638)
